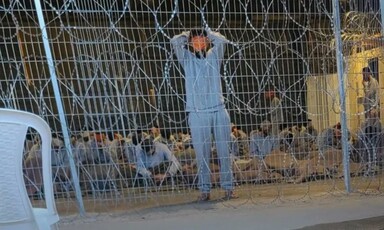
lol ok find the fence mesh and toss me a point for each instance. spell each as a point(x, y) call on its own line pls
point(121, 82)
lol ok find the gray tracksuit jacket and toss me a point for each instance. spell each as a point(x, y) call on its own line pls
point(202, 76)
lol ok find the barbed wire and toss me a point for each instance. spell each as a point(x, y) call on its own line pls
point(109, 55)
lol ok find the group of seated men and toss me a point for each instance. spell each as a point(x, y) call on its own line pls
point(102, 157)
point(298, 150)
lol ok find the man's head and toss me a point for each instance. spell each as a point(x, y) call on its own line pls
point(147, 146)
point(86, 135)
point(337, 130)
point(337, 133)
point(155, 130)
point(74, 139)
point(198, 41)
point(270, 94)
point(57, 144)
point(233, 128)
point(366, 73)
point(373, 113)
point(266, 127)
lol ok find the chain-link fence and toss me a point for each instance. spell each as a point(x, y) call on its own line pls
point(303, 98)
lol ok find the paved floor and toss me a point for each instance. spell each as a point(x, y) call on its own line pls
point(375, 223)
point(345, 212)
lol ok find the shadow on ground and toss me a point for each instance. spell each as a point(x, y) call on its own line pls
point(375, 223)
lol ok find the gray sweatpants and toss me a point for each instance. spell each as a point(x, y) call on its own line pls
point(202, 124)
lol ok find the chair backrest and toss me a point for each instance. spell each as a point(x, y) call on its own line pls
point(15, 206)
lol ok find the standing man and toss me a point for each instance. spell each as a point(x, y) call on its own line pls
point(200, 53)
point(371, 88)
point(275, 112)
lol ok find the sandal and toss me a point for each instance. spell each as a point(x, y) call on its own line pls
point(205, 196)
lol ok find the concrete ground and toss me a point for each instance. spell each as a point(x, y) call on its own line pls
point(329, 212)
point(376, 223)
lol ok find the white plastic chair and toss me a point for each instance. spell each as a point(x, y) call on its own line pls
point(16, 211)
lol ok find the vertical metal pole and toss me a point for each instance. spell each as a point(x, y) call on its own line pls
point(382, 16)
point(340, 75)
point(60, 107)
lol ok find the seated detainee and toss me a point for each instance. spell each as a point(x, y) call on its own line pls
point(29, 142)
point(97, 168)
point(98, 171)
point(380, 150)
point(155, 133)
point(186, 157)
point(330, 138)
point(59, 155)
point(368, 136)
point(182, 141)
point(261, 141)
point(239, 142)
point(167, 139)
point(116, 148)
point(155, 160)
point(33, 169)
point(287, 139)
point(180, 136)
point(90, 143)
point(311, 131)
point(103, 143)
point(98, 149)
point(141, 134)
point(129, 152)
point(307, 138)
point(174, 144)
point(78, 150)
point(183, 149)
point(294, 141)
point(371, 126)
point(127, 163)
point(60, 162)
point(35, 151)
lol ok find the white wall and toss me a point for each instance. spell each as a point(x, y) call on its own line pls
point(323, 92)
point(323, 100)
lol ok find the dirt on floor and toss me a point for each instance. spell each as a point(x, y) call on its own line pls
point(137, 200)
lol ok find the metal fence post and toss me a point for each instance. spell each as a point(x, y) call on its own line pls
point(60, 107)
point(382, 16)
point(340, 75)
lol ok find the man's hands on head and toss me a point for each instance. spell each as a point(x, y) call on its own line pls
point(185, 34)
point(199, 43)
